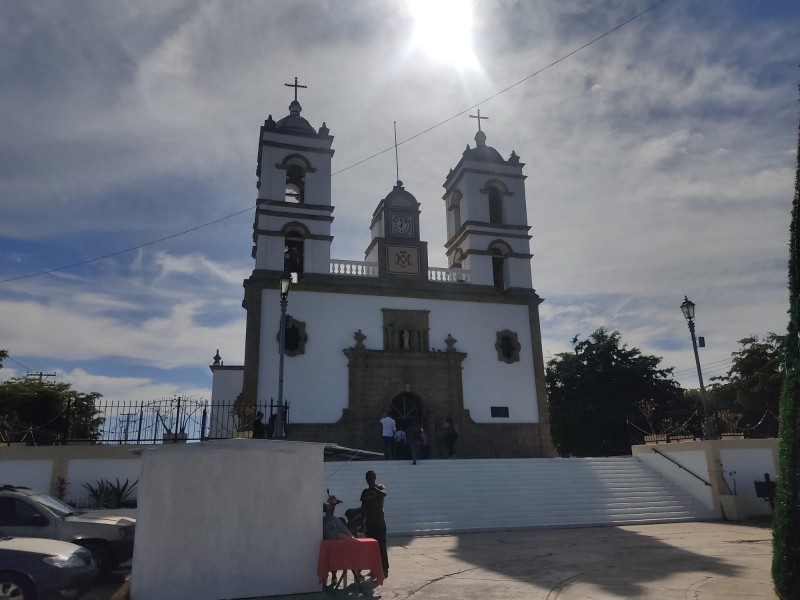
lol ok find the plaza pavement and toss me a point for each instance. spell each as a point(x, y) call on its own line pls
point(695, 560)
point(669, 561)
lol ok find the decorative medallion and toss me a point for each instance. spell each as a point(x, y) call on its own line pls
point(507, 346)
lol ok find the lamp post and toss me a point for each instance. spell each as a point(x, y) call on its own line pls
point(286, 280)
point(709, 425)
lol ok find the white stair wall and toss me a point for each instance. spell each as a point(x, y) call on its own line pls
point(450, 496)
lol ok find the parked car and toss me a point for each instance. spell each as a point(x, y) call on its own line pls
point(26, 513)
point(39, 569)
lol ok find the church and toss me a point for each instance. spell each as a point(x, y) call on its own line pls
point(389, 333)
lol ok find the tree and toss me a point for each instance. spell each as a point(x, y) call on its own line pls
point(43, 413)
point(3, 356)
point(593, 390)
point(752, 388)
point(786, 523)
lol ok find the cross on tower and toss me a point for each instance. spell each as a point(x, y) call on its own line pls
point(479, 117)
point(295, 85)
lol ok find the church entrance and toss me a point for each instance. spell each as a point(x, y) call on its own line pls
point(405, 409)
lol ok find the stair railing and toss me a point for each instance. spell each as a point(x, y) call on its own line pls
point(681, 466)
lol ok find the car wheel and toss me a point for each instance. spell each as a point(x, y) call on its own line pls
point(102, 556)
point(15, 587)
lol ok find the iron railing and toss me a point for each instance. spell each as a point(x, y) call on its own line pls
point(166, 420)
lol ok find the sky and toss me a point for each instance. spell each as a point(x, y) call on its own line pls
point(659, 160)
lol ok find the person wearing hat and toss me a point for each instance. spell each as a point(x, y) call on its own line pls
point(333, 528)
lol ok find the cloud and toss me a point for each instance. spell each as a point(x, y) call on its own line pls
point(659, 162)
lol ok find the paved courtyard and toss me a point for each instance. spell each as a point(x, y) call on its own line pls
point(696, 561)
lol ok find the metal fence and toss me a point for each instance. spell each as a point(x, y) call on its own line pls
point(688, 424)
point(166, 420)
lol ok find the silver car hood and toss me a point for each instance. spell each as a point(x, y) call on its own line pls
point(38, 546)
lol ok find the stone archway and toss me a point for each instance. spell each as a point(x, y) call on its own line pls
point(405, 409)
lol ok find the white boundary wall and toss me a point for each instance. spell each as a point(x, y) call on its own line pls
point(228, 519)
point(714, 460)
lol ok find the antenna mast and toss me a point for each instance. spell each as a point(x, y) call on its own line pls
point(396, 159)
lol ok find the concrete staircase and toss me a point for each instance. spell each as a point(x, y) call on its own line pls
point(449, 496)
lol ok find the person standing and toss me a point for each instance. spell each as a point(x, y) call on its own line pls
point(375, 523)
point(424, 442)
point(414, 440)
point(450, 436)
point(388, 429)
point(258, 425)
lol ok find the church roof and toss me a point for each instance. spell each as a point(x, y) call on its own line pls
point(481, 152)
point(294, 124)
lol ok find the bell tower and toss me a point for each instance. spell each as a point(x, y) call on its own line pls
point(395, 245)
point(292, 229)
point(487, 218)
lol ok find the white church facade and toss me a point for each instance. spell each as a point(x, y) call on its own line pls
point(390, 333)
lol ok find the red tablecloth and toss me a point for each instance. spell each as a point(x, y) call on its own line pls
point(357, 554)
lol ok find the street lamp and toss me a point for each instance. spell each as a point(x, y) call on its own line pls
point(709, 425)
point(286, 280)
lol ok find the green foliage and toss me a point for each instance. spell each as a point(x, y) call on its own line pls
point(43, 412)
point(3, 356)
point(752, 387)
point(105, 494)
point(61, 488)
point(786, 522)
point(593, 390)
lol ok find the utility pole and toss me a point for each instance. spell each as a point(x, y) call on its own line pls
point(127, 424)
point(39, 375)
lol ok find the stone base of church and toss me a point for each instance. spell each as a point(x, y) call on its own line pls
point(475, 440)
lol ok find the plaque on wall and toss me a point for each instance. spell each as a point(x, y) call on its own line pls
point(402, 260)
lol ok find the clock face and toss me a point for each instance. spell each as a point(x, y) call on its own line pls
point(401, 225)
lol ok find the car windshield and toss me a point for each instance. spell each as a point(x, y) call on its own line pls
point(57, 506)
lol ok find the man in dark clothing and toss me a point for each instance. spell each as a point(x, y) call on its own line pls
point(372, 509)
point(258, 425)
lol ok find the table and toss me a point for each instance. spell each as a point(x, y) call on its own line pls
point(356, 554)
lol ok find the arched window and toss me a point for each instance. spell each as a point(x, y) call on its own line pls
point(498, 270)
point(294, 244)
point(296, 167)
point(458, 259)
point(495, 206)
point(499, 252)
point(295, 184)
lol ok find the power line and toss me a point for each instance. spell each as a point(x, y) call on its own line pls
point(117, 253)
point(413, 137)
point(19, 363)
point(504, 90)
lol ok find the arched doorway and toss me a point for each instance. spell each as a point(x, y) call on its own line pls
point(405, 409)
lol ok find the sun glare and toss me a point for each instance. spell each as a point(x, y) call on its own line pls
point(443, 29)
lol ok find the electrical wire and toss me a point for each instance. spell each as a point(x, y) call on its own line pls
point(118, 252)
point(413, 137)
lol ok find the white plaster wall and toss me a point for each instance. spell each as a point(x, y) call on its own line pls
point(228, 519)
point(316, 383)
point(225, 388)
point(519, 273)
point(91, 470)
point(694, 460)
point(35, 474)
point(273, 181)
point(749, 465)
point(316, 256)
point(480, 269)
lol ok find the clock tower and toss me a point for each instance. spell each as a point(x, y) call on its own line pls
point(395, 246)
